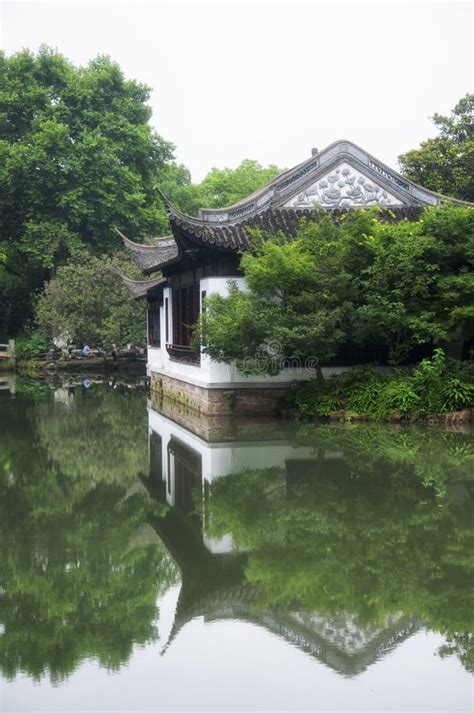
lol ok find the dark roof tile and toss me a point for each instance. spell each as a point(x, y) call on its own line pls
point(286, 220)
point(150, 258)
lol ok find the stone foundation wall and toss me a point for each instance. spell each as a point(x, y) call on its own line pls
point(236, 401)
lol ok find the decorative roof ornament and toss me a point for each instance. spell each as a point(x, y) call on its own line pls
point(344, 187)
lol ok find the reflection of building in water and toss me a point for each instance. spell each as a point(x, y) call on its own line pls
point(187, 464)
point(214, 586)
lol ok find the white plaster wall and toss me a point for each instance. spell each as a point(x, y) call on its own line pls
point(157, 357)
point(210, 374)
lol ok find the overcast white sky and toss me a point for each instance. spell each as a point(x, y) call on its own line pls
point(270, 80)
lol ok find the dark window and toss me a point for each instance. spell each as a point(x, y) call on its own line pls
point(185, 314)
point(154, 337)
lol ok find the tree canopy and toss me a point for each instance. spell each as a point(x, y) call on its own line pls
point(363, 279)
point(88, 301)
point(77, 157)
point(445, 163)
point(219, 188)
point(225, 186)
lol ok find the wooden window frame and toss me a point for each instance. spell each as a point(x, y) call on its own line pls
point(154, 324)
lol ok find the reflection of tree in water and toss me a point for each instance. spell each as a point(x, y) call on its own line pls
point(98, 436)
point(80, 569)
point(358, 530)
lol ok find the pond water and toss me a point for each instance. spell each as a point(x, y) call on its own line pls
point(153, 561)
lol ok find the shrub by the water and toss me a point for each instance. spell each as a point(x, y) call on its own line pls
point(31, 345)
point(436, 386)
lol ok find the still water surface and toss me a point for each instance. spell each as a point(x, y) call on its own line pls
point(150, 561)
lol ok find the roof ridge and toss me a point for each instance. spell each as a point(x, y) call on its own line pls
point(412, 192)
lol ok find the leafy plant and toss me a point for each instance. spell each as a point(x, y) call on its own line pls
point(87, 300)
point(32, 345)
point(435, 386)
point(314, 399)
point(444, 163)
point(456, 394)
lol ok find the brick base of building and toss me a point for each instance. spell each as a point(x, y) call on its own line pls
point(235, 401)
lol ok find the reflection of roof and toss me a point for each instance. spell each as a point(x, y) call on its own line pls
point(214, 587)
point(338, 641)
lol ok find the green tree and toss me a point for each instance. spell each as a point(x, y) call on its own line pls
point(299, 303)
point(444, 164)
point(224, 186)
point(77, 157)
point(417, 285)
point(87, 300)
point(365, 279)
point(175, 182)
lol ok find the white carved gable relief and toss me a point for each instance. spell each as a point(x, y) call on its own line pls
point(341, 187)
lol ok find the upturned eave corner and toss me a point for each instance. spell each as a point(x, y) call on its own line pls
point(151, 258)
point(141, 288)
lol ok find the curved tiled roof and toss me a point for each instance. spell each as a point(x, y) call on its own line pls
point(286, 220)
point(338, 179)
point(150, 258)
point(288, 184)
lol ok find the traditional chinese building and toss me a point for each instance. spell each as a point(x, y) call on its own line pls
point(202, 255)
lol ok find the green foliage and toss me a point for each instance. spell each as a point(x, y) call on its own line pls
point(299, 302)
point(315, 399)
point(32, 388)
point(87, 300)
point(435, 386)
point(224, 186)
point(219, 188)
point(413, 284)
point(31, 345)
point(175, 183)
point(77, 157)
point(444, 164)
point(457, 394)
point(362, 279)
